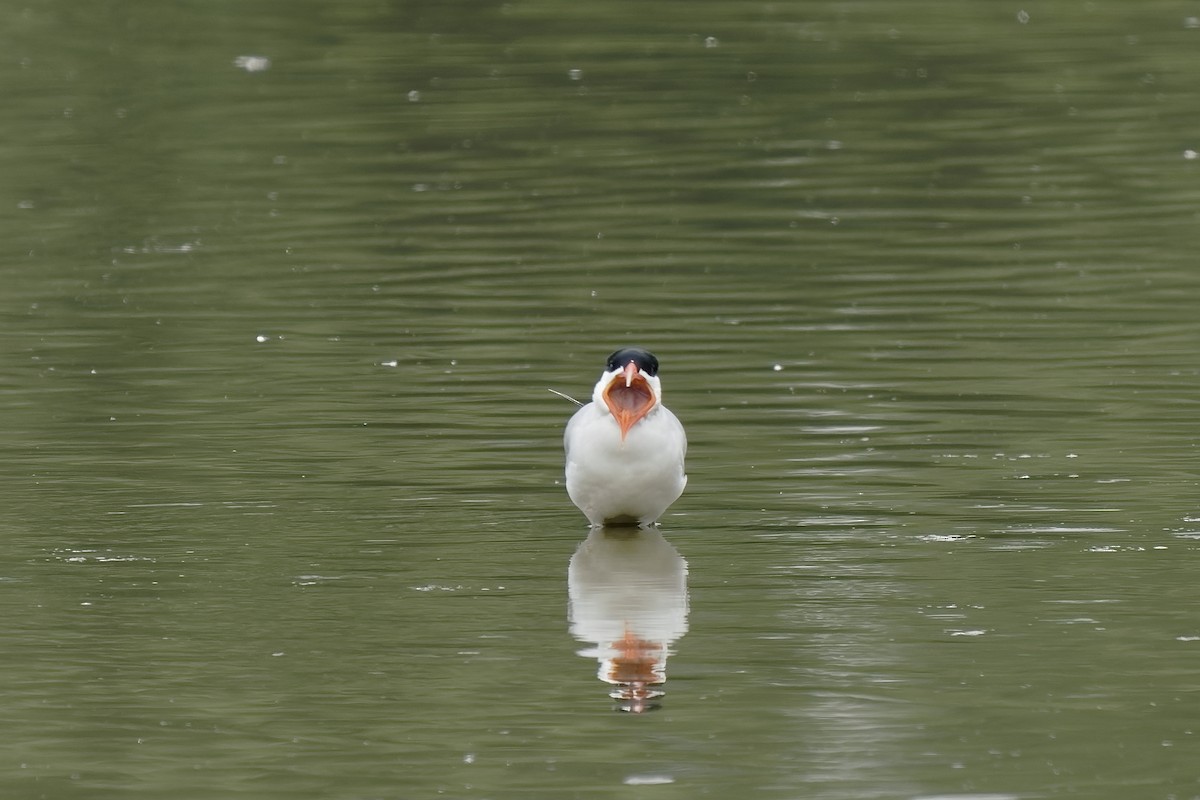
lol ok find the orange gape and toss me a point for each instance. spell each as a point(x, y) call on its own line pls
point(628, 397)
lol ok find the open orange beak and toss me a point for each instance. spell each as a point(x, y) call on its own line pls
point(628, 397)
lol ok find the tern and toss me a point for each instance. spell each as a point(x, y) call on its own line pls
point(625, 449)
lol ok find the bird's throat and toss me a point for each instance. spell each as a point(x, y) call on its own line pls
point(628, 404)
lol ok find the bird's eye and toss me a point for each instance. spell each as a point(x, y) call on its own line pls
point(644, 359)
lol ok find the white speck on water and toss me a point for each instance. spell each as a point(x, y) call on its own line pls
point(1191, 155)
point(25, 204)
point(468, 758)
point(712, 41)
point(1191, 22)
point(392, 363)
point(1023, 17)
point(575, 74)
point(277, 654)
point(279, 161)
point(262, 337)
point(648, 780)
point(313, 580)
point(414, 96)
point(968, 633)
point(1187, 638)
point(252, 63)
point(778, 367)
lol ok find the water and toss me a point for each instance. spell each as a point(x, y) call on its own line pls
point(282, 476)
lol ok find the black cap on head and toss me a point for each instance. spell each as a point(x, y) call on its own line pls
point(644, 359)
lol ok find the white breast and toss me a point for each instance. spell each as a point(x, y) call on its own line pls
point(621, 481)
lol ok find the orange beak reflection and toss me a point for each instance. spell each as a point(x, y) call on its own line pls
point(628, 397)
point(637, 672)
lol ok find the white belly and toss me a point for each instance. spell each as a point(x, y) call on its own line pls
point(624, 481)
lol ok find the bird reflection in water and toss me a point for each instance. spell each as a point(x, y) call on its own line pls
point(628, 597)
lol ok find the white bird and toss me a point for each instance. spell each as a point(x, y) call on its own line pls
point(625, 449)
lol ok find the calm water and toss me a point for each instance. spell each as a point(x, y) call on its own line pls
point(284, 291)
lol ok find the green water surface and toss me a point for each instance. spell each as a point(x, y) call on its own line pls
point(285, 286)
